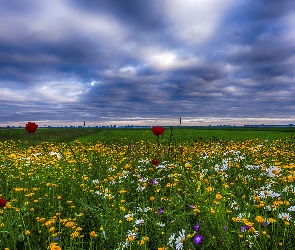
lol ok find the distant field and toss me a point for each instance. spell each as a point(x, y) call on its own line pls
point(175, 134)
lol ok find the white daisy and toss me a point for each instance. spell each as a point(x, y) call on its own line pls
point(285, 216)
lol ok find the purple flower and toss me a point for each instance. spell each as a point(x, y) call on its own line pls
point(224, 227)
point(197, 226)
point(264, 224)
point(246, 227)
point(191, 206)
point(154, 182)
point(198, 239)
point(161, 210)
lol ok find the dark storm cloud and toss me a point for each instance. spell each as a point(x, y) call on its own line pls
point(66, 61)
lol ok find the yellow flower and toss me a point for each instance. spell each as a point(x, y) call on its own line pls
point(27, 232)
point(140, 242)
point(251, 230)
point(122, 191)
point(129, 218)
point(187, 165)
point(209, 189)
point(93, 234)
point(259, 219)
point(55, 248)
point(69, 224)
point(218, 196)
point(271, 220)
point(74, 234)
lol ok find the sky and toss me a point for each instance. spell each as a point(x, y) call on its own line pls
point(142, 62)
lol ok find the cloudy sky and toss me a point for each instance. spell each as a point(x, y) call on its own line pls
point(147, 62)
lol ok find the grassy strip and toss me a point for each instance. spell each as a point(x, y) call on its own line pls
point(45, 135)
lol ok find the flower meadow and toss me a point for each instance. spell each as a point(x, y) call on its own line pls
point(148, 195)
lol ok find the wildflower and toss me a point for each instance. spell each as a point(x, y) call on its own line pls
point(291, 208)
point(285, 216)
point(3, 202)
point(249, 243)
point(218, 196)
point(140, 242)
point(93, 234)
point(180, 239)
point(259, 219)
point(274, 171)
point(155, 162)
point(158, 130)
point(139, 221)
point(154, 182)
point(122, 191)
point(161, 210)
point(271, 220)
point(55, 248)
point(171, 240)
point(188, 165)
point(31, 127)
point(196, 228)
point(161, 224)
point(234, 205)
point(198, 239)
point(131, 235)
point(74, 234)
point(252, 230)
point(129, 217)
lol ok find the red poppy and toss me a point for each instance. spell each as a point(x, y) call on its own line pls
point(31, 127)
point(155, 162)
point(2, 202)
point(158, 130)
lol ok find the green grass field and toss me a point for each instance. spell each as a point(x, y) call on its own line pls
point(133, 135)
point(92, 188)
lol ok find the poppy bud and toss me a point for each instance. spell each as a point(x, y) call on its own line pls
point(2, 202)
